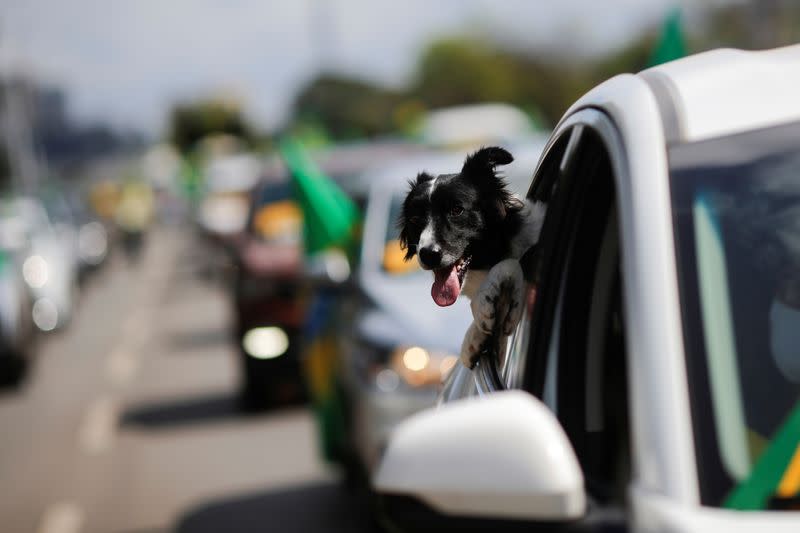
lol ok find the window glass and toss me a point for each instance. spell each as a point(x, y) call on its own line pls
point(572, 335)
point(592, 388)
point(512, 366)
point(736, 210)
point(394, 262)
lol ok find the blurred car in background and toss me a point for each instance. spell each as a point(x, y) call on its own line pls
point(228, 181)
point(93, 245)
point(134, 214)
point(62, 220)
point(396, 345)
point(669, 286)
point(345, 163)
point(269, 296)
point(47, 258)
point(16, 321)
point(271, 282)
point(77, 227)
point(470, 126)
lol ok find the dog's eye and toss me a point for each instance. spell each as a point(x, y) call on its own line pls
point(416, 220)
point(456, 210)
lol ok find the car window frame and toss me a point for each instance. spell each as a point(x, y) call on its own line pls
point(488, 377)
point(585, 335)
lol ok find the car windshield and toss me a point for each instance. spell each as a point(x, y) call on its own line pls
point(393, 256)
point(736, 205)
point(274, 216)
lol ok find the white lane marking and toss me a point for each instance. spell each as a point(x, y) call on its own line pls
point(97, 430)
point(61, 517)
point(121, 366)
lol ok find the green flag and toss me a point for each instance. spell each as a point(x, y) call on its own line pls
point(670, 44)
point(755, 491)
point(330, 217)
point(330, 223)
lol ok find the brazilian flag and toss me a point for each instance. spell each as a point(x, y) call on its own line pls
point(774, 478)
point(331, 221)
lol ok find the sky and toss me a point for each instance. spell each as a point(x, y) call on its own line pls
point(128, 61)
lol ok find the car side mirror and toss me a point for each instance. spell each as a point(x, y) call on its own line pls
point(500, 456)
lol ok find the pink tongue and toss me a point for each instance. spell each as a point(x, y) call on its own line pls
point(446, 286)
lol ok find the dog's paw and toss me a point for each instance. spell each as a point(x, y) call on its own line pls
point(471, 346)
point(476, 344)
point(500, 297)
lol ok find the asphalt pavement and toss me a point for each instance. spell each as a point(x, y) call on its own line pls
point(128, 423)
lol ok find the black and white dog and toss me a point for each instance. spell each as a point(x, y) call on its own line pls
point(471, 232)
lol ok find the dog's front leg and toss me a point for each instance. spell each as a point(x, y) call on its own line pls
point(496, 310)
point(500, 297)
point(476, 344)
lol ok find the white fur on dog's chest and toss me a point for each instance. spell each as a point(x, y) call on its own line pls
point(473, 282)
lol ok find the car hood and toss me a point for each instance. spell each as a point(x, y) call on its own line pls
point(405, 313)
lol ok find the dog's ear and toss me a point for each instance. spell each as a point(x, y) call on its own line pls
point(402, 220)
point(485, 159)
point(403, 226)
point(480, 167)
point(422, 177)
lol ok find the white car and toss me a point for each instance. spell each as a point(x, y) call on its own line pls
point(653, 382)
point(48, 258)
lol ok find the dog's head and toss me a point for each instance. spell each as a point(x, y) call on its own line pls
point(448, 221)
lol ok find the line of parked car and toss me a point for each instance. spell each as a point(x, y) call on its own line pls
point(50, 243)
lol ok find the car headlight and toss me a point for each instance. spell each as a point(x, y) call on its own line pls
point(266, 342)
point(35, 271)
point(417, 367)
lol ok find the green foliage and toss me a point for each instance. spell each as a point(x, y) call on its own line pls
point(456, 71)
point(347, 108)
point(189, 123)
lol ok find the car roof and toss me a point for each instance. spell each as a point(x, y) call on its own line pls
point(487, 123)
point(727, 91)
point(346, 162)
point(395, 174)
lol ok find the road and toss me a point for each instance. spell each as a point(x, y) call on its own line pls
point(127, 422)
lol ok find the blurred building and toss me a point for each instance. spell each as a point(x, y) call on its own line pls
point(53, 135)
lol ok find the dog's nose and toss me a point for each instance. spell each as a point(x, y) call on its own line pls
point(430, 256)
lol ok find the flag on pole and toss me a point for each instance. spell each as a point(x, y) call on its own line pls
point(331, 221)
point(330, 216)
point(671, 44)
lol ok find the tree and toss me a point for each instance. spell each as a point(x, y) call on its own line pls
point(459, 71)
point(191, 122)
point(346, 107)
